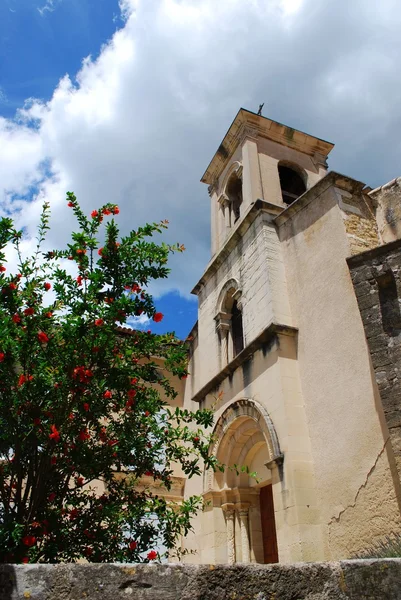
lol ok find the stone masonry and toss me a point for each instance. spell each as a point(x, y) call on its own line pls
point(376, 278)
point(345, 580)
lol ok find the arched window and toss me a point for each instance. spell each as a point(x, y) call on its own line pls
point(292, 184)
point(234, 194)
point(237, 332)
point(229, 321)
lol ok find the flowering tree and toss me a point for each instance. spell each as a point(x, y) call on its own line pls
point(81, 414)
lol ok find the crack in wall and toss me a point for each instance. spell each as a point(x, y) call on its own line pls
point(361, 487)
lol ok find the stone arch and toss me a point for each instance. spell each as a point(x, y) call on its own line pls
point(239, 412)
point(229, 292)
point(235, 169)
point(229, 323)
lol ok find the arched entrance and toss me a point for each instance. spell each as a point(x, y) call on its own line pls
point(245, 440)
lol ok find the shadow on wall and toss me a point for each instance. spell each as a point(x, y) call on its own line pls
point(8, 583)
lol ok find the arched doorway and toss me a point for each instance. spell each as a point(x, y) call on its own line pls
point(245, 440)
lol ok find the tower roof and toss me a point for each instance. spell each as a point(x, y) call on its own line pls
point(263, 127)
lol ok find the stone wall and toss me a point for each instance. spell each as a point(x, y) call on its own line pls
point(368, 579)
point(377, 283)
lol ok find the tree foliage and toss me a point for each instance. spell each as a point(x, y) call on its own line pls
point(82, 415)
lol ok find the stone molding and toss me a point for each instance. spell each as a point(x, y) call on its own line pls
point(236, 410)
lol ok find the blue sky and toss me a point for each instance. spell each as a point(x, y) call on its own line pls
point(129, 100)
point(36, 49)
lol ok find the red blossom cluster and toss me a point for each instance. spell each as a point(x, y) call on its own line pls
point(82, 374)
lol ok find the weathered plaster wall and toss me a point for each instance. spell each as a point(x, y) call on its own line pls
point(348, 580)
point(345, 419)
point(377, 282)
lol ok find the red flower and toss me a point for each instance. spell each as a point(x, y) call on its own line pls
point(71, 416)
point(147, 413)
point(16, 318)
point(84, 435)
point(152, 555)
point(55, 434)
point(95, 348)
point(107, 394)
point(49, 314)
point(81, 251)
point(148, 473)
point(52, 497)
point(106, 211)
point(112, 442)
point(131, 394)
point(42, 337)
point(88, 551)
point(25, 560)
point(115, 210)
point(74, 513)
point(195, 440)
point(132, 545)
point(37, 421)
point(99, 322)
point(21, 380)
point(2, 356)
point(79, 481)
point(100, 251)
point(29, 540)
point(47, 286)
point(133, 381)
point(2, 268)
point(94, 214)
point(157, 317)
point(86, 406)
point(79, 279)
point(12, 286)
point(29, 311)
point(53, 460)
point(70, 204)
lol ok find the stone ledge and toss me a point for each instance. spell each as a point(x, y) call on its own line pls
point(369, 579)
point(269, 334)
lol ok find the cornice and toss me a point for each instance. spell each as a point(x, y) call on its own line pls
point(332, 179)
point(268, 335)
point(247, 125)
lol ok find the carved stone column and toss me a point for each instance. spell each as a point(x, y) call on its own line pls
point(243, 511)
point(229, 510)
point(223, 328)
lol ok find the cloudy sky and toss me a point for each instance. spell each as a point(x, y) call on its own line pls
point(127, 102)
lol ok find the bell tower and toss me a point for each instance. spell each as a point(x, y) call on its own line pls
point(260, 159)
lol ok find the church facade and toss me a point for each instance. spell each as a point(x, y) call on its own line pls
point(304, 388)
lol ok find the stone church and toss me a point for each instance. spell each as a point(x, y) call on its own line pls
point(297, 348)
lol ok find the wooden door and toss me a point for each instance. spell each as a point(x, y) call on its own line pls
point(268, 525)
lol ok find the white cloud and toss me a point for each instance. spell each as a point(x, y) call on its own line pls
point(139, 124)
point(49, 6)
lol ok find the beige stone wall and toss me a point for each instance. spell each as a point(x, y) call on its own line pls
point(270, 154)
point(256, 263)
point(270, 379)
point(259, 158)
point(344, 416)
